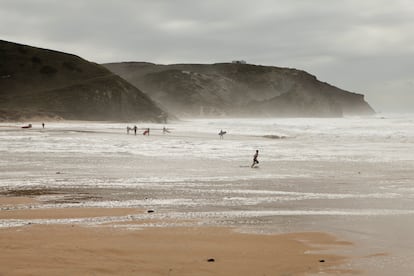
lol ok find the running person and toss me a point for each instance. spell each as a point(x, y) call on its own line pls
point(255, 161)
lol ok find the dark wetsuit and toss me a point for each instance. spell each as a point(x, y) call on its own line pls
point(255, 161)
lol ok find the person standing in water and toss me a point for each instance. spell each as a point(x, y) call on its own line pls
point(255, 161)
point(43, 125)
point(135, 130)
point(221, 133)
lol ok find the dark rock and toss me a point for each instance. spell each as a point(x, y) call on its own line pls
point(240, 90)
point(321, 261)
point(58, 85)
point(211, 260)
point(150, 211)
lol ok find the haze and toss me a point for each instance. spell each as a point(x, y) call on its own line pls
point(360, 46)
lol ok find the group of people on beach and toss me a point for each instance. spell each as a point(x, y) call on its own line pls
point(146, 130)
point(135, 129)
point(165, 130)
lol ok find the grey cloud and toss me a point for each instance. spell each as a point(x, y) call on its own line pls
point(357, 45)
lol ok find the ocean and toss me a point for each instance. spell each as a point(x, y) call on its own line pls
point(352, 177)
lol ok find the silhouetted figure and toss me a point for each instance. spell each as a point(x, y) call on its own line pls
point(221, 133)
point(255, 161)
point(128, 129)
point(165, 130)
point(43, 125)
point(135, 130)
point(146, 132)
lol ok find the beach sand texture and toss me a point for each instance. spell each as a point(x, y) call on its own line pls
point(77, 250)
point(136, 249)
point(76, 195)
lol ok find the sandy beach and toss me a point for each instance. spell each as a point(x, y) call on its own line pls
point(87, 198)
point(72, 249)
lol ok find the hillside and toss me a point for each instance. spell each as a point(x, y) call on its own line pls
point(41, 83)
point(229, 89)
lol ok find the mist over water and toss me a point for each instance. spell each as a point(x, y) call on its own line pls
point(192, 158)
point(352, 139)
point(351, 176)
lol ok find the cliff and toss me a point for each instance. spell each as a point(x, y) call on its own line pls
point(44, 83)
point(229, 89)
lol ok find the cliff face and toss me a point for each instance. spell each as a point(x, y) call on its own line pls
point(38, 82)
point(229, 89)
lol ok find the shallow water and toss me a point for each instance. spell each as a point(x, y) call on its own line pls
point(350, 176)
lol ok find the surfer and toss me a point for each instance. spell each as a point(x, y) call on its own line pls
point(146, 132)
point(221, 133)
point(135, 130)
point(43, 125)
point(255, 161)
point(165, 130)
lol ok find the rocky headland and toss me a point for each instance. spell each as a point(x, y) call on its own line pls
point(46, 84)
point(239, 90)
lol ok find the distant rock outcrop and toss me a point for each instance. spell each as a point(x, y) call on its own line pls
point(238, 89)
point(40, 83)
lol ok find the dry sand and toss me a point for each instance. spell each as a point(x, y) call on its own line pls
point(105, 250)
point(367, 196)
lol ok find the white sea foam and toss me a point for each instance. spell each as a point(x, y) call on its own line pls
point(348, 175)
point(204, 172)
point(211, 216)
point(365, 139)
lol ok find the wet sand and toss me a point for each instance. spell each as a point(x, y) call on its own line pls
point(65, 213)
point(103, 182)
point(108, 250)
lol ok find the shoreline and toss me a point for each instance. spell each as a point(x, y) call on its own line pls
point(350, 179)
point(51, 249)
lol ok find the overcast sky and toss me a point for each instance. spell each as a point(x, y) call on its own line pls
point(364, 46)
